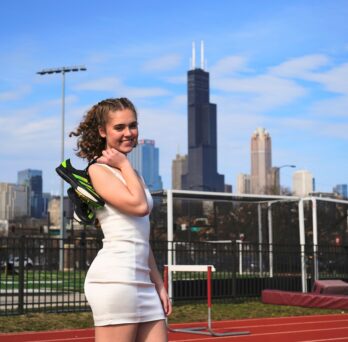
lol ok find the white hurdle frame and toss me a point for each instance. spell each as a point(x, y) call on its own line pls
point(205, 330)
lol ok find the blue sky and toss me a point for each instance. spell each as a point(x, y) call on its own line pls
point(281, 65)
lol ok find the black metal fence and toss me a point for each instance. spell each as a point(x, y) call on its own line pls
point(48, 275)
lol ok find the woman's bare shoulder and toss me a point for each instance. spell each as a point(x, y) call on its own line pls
point(96, 170)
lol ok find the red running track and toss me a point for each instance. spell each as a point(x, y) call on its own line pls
point(333, 328)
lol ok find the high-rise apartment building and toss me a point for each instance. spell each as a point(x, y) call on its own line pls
point(33, 180)
point(261, 162)
point(243, 184)
point(202, 133)
point(54, 211)
point(341, 190)
point(274, 184)
point(302, 183)
point(145, 159)
point(45, 200)
point(13, 201)
point(179, 168)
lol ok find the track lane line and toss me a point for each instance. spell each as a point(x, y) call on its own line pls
point(255, 336)
point(328, 339)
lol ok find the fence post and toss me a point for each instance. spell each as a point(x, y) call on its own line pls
point(21, 275)
point(234, 259)
point(311, 267)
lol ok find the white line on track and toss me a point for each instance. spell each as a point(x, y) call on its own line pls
point(265, 334)
point(263, 319)
point(268, 325)
point(328, 339)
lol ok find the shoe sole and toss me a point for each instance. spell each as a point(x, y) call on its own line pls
point(88, 201)
point(74, 198)
point(76, 218)
point(73, 182)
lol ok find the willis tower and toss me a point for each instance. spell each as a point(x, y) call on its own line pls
point(202, 133)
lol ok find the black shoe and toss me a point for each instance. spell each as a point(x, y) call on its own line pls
point(82, 212)
point(80, 182)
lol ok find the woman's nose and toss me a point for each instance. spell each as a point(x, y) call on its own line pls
point(127, 131)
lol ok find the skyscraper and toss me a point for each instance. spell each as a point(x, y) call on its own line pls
point(243, 184)
point(33, 180)
point(341, 190)
point(202, 133)
point(13, 201)
point(145, 159)
point(179, 168)
point(302, 183)
point(261, 162)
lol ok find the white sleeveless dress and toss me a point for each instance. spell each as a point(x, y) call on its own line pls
point(117, 285)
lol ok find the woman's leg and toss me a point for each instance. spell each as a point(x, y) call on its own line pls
point(154, 331)
point(119, 333)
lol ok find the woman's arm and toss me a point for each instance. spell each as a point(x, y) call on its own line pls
point(157, 280)
point(129, 198)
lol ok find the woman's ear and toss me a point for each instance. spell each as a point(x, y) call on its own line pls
point(102, 132)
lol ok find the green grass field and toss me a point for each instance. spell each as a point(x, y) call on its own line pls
point(182, 313)
point(45, 280)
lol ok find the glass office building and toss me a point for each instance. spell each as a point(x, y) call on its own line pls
point(145, 159)
point(33, 180)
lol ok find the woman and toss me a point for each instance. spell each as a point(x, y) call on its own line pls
point(123, 285)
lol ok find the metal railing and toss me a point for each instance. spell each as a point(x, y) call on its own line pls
point(32, 277)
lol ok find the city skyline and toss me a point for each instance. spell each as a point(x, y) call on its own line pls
point(280, 66)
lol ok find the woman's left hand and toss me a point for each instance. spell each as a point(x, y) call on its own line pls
point(166, 303)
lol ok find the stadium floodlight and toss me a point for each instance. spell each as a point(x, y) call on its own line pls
point(63, 71)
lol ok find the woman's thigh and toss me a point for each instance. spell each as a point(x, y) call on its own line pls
point(154, 331)
point(119, 333)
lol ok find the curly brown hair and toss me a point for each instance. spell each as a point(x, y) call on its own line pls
point(89, 142)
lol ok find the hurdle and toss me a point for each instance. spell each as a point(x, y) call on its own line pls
point(204, 330)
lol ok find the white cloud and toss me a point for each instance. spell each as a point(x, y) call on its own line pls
point(115, 86)
point(315, 128)
point(306, 68)
point(176, 79)
point(300, 67)
point(137, 92)
point(260, 93)
point(164, 63)
point(26, 138)
point(101, 84)
point(229, 65)
point(179, 102)
point(337, 106)
point(15, 94)
point(334, 80)
point(36, 129)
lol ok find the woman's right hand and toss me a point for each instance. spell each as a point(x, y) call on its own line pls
point(113, 158)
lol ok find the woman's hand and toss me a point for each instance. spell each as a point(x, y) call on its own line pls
point(166, 303)
point(113, 158)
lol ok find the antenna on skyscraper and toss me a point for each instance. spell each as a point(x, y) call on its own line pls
point(202, 54)
point(193, 56)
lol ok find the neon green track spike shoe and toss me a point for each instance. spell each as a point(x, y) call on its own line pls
point(82, 212)
point(80, 182)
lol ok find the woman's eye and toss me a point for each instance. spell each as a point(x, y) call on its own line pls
point(121, 128)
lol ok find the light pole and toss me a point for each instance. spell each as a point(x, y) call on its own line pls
point(63, 71)
point(277, 176)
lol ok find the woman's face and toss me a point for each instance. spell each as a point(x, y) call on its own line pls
point(120, 131)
